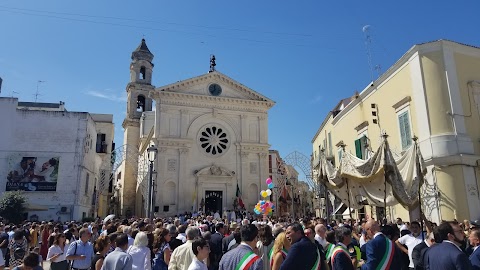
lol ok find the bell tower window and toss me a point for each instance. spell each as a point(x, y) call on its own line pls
point(142, 73)
point(140, 103)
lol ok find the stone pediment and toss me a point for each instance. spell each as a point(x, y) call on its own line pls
point(199, 86)
point(214, 170)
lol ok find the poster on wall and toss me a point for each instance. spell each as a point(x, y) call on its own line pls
point(29, 173)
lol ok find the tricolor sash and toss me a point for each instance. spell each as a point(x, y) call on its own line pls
point(247, 261)
point(270, 255)
point(388, 256)
point(329, 251)
point(317, 264)
point(337, 250)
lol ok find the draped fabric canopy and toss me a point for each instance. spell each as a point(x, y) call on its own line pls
point(382, 179)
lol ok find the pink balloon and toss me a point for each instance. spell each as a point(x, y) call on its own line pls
point(268, 181)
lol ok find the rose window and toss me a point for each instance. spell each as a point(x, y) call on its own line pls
point(213, 140)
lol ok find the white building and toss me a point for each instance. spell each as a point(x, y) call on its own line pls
point(54, 156)
point(211, 133)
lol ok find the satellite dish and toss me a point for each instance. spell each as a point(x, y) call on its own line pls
point(366, 28)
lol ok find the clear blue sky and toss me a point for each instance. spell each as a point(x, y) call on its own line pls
point(305, 55)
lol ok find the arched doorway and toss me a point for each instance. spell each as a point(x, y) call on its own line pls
point(213, 201)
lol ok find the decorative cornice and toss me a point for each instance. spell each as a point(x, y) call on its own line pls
point(361, 126)
point(402, 102)
point(184, 151)
point(217, 76)
point(253, 147)
point(191, 100)
point(131, 123)
point(174, 143)
point(214, 170)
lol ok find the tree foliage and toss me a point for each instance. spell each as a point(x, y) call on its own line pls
point(12, 206)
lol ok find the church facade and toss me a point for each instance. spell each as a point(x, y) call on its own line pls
point(211, 133)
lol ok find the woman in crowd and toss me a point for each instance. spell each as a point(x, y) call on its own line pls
point(140, 252)
point(265, 244)
point(162, 250)
point(279, 251)
point(18, 248)
point(57, 253)
point(201, 250)
point(102, 245)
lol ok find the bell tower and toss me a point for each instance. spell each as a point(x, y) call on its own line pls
point(138, 101)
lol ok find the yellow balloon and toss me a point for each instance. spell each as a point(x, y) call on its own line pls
point(264, 194)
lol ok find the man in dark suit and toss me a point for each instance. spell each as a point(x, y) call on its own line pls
point(474, 239)
point(419, 252)
point(447, 254)
point(340, 259)
point(303, 254)
point(216, 245)
point(382, 253)
point(243, 256)
point(226, 240)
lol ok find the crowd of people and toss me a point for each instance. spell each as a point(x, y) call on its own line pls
point(199, 242)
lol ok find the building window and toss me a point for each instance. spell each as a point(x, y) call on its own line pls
point(87, 182)
point(213, 140)
point(340, 154)
point(330, 149)
point(101, 143)
point(361, 147)
point(140, 103)
point(142, 73)
point(405, 129)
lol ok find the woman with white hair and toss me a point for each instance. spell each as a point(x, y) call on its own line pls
point(140, 252)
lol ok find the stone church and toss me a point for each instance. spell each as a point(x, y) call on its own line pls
point(211, 133)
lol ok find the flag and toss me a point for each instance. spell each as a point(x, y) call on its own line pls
point(239, 197)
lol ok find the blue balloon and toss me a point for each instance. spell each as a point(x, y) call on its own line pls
point(273, 206)
point(270, 185)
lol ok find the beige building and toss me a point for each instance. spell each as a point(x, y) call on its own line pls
point(432, 92)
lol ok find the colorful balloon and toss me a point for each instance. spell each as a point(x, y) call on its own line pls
point(269, 192)
point(268, 181)
point(270, 185)
point(264, 194)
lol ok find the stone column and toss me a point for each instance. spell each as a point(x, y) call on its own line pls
point(243, 180)
point(185, 203)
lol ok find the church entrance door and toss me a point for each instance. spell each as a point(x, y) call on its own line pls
point(213, 201)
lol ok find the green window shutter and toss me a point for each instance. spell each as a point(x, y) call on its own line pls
point(358, 148)
point(405, 133)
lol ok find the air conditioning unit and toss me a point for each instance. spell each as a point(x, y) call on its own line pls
point(64, 210)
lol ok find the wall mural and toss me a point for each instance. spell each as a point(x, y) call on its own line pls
point(29, 173)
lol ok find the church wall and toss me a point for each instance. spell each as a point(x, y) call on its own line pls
point(179, 128)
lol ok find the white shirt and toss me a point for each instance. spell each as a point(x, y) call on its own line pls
point(182, 257)
point(321, 240)
point(411, 242)
point(182, 237)
point(53, 250)
point(197, 265)
point(141, 257)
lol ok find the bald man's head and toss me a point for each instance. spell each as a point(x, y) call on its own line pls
point(372, 227)
point(321, 230)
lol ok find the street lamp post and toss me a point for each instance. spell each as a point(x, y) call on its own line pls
point(152, 155)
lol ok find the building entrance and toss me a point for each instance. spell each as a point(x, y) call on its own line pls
point(213, 201)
